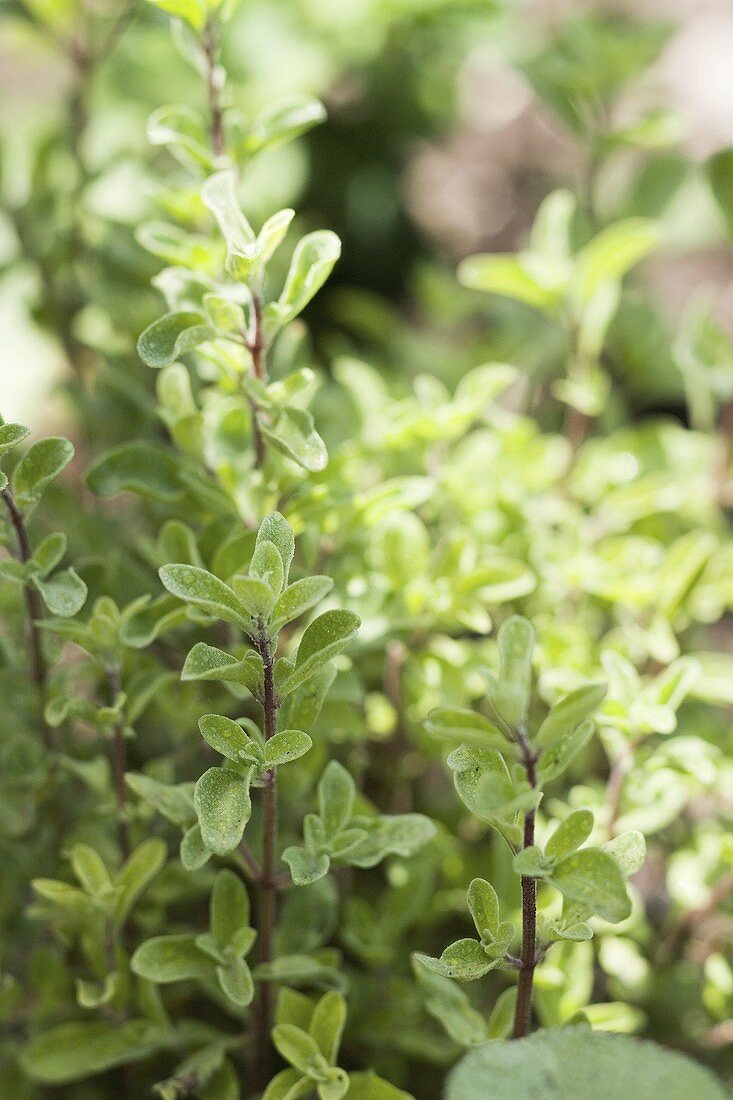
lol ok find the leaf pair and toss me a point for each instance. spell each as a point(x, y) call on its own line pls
point(589, 876)
point(308, 1037)
point(469, 959)
point(335, 834)
point(221, 796)
point(217, 955)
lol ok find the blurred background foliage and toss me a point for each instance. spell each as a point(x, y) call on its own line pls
point(449, 123)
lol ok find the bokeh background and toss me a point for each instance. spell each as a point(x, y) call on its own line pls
point(449, 121)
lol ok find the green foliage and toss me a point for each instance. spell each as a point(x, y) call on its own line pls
point(574, 1062)
point(351, 668)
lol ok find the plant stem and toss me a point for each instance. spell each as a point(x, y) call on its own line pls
point(34, 611)
point(211, 55)
point(263, 1008)
point(258, 351)
point(528, 956)
point(118, 752)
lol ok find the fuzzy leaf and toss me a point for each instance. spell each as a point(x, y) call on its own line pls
point(323, 639)
point(11, 435)
point(313, 260)
point(336, 792)
point(136, 468)
point(555, 759)
point(172, 336)
point(448, 1004)
point(235, 980)
point(134, 875)
point(286, 746)
point(206, 662)
point(204, 590)
point(570, 834)
point(64, 593)
point(575, 1063)
point(39, 466)
point(300, 597)
point(464, 961)
point(570, 712)
point(224, 807)
point(171, 959)
point(466, 727)
point(225, 736)
point(593, 878)
point(73, 1051)
point(483, 905)
point(229, 907)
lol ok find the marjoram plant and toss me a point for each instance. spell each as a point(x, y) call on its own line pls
point(224, 775)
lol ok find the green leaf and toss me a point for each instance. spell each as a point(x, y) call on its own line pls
point(464, 961)
point(313, 260)
point(570, 834)
point(529, 863)
point(568, 714)
point(224, 807)
point(40, 465)
point(501, 1018)
point(173, 801)
point(483, 905)
point(194, 853)
point(255, 595)
point(448, 1004)
point(593, 878)
point(183, 130)
point(138, 871)
point(511, 695)
point(466, 727)
point(267, 566)
point(286, 746)
point(64, 593)
point(192, 12)
point(613, 252)
point(719, 171)
point(166, 959)
point(293, 433)
point(306, 867)
point(289, 1084)
point(555, 759)
point(136, 468)
point(76, 1050)
point(402, 835)
point(49, 553)
point(336, 793)
point(172, 336)
point(90, 870)
point(206, 662)
point(276, 529)
point(575, 1063)
point(206, 591)
point(298, 598)
point(226, 737)
point(327, 1025)
point(322, 639)
point(367, 1086)
point(299, 1049)
point(507, 276)
point(235, 980)
point(284, 121)
point(229, 907)
point(11, 435)
point(629, 851)
point(219, 194)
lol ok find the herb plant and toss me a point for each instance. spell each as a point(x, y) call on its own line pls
point(312, 562)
